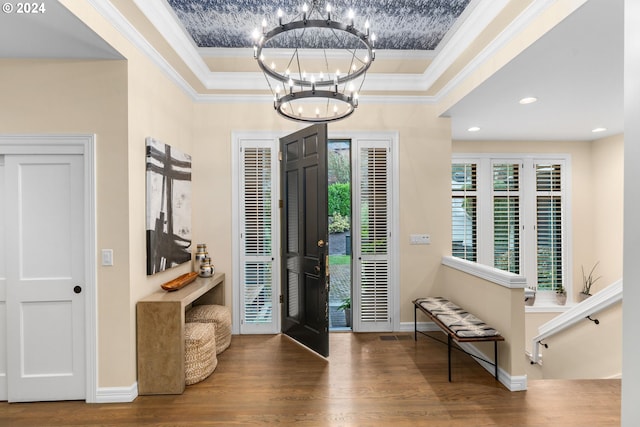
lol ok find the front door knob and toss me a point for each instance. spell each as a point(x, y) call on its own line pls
point(77, 289)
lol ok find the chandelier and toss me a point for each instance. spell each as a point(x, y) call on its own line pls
point(315, 65)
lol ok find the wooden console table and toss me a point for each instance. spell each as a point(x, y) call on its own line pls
point(160, 333)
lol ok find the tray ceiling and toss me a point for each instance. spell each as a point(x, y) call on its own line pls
point(399, 24)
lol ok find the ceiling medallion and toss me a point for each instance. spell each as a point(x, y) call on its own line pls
point(302, 62)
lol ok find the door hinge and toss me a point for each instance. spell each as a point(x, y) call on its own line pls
point(280, 203)
point(280, 155)
point(281, 299)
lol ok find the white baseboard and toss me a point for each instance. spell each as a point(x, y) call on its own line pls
point(117, 394)
point(513, 383)
point(422, 326)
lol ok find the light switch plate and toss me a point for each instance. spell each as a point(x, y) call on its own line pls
point(420, 239)
point(107, 257)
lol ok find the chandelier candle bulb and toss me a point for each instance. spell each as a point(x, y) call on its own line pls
point(280, 14)
point(328, 12)
point(352, 15)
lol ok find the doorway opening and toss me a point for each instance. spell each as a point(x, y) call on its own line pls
point(340, 254)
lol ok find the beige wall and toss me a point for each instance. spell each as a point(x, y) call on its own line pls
point(586, 350)
point(498, 306)
point(424, 153)
point(607, 204)
point(59, 97)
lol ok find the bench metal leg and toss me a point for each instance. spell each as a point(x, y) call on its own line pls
point(415, 323)
point(495, 356)
point(449, 354)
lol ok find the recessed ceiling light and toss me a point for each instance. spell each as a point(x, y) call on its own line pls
point(528, 100)
point(473, 129)
point(596, 130)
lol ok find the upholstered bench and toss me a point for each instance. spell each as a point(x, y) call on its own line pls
point(219, 315)
point(458, 324)
point(199, 352)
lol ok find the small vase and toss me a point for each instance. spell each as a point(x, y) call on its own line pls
point(201, 253)
point(561, 299)
point(206, 268)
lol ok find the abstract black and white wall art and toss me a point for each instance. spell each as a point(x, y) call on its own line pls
point(168, 206)
point(398, 24)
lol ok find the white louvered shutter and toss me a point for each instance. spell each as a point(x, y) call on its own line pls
point(549, 226)
point(464, 212)
point(373, 210)
point(506, 216)
point(257, 238)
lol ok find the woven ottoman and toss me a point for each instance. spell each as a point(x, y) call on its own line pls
point(220, 315)
point(199, 351)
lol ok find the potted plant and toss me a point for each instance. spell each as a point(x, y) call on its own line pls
point(587, 283)
point(346, 307)
point(561, 296)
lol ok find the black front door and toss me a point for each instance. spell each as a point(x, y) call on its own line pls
point(305, 284)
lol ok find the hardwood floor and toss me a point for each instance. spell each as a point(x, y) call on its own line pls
point(367, 381)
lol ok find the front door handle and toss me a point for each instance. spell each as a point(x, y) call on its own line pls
point(77, 289)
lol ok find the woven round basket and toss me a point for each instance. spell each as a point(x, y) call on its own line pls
point(220, 315)
point(199, 351)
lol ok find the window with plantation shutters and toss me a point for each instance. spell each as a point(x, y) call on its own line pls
point(510, 213)
point(257, 232)
point(464, 211)
point(549, 226)
point(506, 216)
point(373, 266)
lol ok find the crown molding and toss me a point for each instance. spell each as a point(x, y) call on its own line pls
point(483, 14)
point(165, 21)
point(122, 25)
point(267, 99)
point(219, 52)
point(521, 22)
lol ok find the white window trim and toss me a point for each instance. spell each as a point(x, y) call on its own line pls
point(357, 137)
point(270, 139)
point(544, 299)
point(274, 138)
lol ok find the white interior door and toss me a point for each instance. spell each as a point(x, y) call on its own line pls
point(44, 262)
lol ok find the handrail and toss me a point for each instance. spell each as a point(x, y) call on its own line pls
point(598, 302)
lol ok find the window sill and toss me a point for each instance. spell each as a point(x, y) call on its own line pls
point(547, 308)
point(546, 303)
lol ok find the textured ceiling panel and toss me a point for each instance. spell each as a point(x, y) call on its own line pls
point(398, 24)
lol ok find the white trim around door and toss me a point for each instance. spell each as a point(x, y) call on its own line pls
point(270, 139)
point(84, 145)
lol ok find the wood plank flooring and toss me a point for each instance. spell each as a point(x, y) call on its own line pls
point(367, 381)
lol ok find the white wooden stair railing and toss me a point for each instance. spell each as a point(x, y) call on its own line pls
point(598, 302)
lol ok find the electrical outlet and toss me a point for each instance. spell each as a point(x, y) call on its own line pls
point(420, 239)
